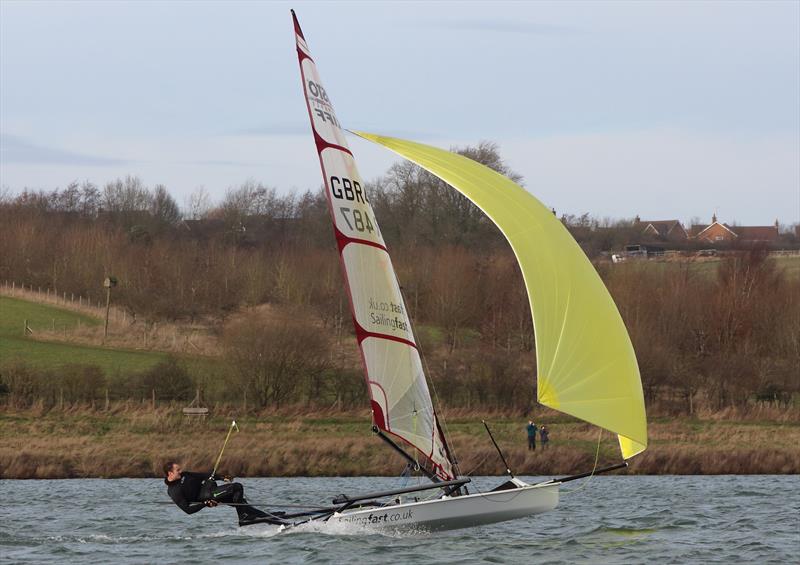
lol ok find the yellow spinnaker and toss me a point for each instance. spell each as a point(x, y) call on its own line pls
point(586, 363)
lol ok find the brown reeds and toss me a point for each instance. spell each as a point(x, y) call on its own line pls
point(132, 440)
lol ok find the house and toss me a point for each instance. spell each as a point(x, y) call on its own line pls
point(718, 232)
point(671, 230)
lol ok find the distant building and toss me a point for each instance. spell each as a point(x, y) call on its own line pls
point(718, 232)
point(640, 250)
point(669, 230)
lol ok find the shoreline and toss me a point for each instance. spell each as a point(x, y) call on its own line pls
point(132, 442)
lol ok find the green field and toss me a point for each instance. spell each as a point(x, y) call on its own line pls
point(789, 265)
point(43, 354)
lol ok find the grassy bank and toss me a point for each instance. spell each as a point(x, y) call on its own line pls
point(14, 344)
point(131, 440)
point(44, 348)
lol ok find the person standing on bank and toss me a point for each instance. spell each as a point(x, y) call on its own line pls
point(544, 434)
point(532, 429)
point(192, 492)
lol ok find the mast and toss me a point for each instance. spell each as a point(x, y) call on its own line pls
point(402, 408)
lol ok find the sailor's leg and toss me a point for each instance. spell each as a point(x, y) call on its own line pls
point(234, 493)
point(228, 492)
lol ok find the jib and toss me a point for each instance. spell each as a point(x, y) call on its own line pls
point(346, 189)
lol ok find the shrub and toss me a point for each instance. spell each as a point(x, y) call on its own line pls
point(169, 379)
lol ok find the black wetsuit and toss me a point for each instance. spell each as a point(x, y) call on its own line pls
point(187, 489)
point(197, 488)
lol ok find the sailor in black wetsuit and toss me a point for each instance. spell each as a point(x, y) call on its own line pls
point(194, 491)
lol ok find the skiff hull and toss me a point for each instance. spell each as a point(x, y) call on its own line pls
point(457, 512)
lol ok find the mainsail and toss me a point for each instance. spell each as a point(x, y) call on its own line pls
point(585, 359)
point(401, 402)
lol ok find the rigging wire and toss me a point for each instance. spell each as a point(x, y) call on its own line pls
point(437, 415)
point(596, 458)
point(478, 464)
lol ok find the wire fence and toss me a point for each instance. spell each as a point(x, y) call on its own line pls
point(125, 330)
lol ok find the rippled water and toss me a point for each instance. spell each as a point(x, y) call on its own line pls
point(617, 519)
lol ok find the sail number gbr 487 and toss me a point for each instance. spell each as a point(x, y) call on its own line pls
point(357, 218)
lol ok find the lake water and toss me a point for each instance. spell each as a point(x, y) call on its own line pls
point(614, 519)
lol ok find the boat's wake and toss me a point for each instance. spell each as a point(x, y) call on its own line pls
point(325, 528)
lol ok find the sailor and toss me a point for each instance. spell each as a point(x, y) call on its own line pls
point(192, 492)
point(532, 429)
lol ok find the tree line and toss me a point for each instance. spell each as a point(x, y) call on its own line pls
point(723, 338)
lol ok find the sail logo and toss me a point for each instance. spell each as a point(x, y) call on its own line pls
point(317, 91)
point(385, 306)
point(387, 321)
point(319, 97)
point(328, 117)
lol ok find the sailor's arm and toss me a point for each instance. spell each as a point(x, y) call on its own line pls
point(181, 502)
point(203, 476)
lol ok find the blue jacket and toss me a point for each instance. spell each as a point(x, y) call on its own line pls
point(532, 430)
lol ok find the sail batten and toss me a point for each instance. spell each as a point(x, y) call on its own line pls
point(585, 360)
point(399, 396)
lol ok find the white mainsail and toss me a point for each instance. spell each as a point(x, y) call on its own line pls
point(401, 402)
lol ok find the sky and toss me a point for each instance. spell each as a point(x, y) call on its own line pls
point(666, 110)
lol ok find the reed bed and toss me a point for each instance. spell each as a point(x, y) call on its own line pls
point(132, 440)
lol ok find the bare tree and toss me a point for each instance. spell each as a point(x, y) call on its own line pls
point(163, 207)
point(273, 359)
point(198, 204)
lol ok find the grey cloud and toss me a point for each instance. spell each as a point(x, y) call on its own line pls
point(506, 26)
point(14, 149)
point(303, 129)
point(214, 163)
point(297, 127)
point(414, 135)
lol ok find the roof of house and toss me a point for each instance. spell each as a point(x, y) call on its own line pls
point(742, 233)
point(756, 233)
point(696, 229)
point(661, 227)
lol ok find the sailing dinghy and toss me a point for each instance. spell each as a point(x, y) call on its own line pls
point(586, 364)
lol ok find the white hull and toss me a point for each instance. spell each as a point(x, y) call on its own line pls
point(457, 512)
